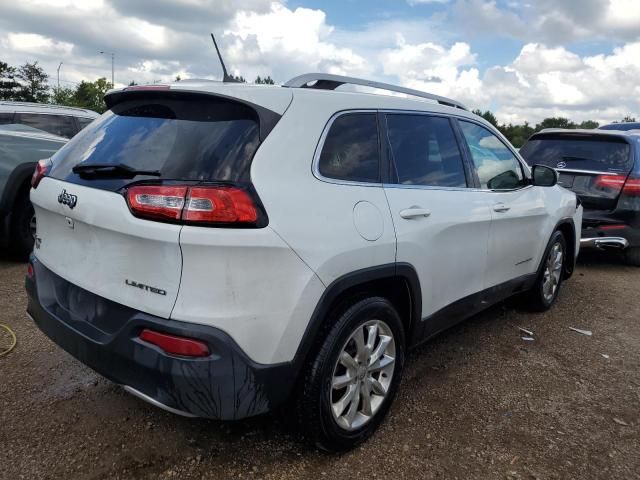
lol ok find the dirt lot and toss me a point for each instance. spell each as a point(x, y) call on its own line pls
point(477, 402)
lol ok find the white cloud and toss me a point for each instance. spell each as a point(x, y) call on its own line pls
point(423, 2)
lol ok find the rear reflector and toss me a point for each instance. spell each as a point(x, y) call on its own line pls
point(612, 227)
point(42, 167)
point(30, 272)
point(193, 205)
point(174, 345)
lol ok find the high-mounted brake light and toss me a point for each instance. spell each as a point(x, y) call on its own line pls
point(221, 204)
point(175, 345)
point(42, 167)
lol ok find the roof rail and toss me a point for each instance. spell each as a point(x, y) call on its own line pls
point(326, 81)
point(14, 103)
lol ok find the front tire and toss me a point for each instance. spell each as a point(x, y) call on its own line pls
point(22, 226)
point(351, 382)
point(545, 291)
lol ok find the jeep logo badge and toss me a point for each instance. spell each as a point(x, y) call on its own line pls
point(67, 199)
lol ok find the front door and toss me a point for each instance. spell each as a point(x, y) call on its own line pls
point(517, 208)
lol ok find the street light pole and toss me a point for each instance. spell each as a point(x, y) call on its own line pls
point(113, 59)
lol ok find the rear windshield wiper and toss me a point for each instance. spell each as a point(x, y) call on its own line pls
point(111, 170)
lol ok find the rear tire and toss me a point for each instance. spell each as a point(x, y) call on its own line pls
point(22, 224)
point(545, 291)
point(632, 256)
point(346, 391)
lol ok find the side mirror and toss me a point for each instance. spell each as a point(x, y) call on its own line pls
point(543, 176)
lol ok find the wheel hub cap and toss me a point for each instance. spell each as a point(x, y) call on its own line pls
point(552, 272)
point(362, 374)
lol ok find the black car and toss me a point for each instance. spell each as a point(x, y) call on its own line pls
point(603, 168)
point(624, 126)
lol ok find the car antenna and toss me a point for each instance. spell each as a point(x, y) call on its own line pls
point(226, 78)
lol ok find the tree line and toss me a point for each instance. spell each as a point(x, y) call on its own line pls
point(518, 134)
point(30, 83)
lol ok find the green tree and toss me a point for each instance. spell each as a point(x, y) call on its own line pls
point(132, 83)
point(178, 78)
point(589, 124)
point(9, 88)
point(34, 86)
point(63, 96)
point(488, 116)
point(91, 95)
point(265, 81)
point(555, 122)
point(239, 78)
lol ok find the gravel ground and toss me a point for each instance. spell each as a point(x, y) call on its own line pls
point(476, 402)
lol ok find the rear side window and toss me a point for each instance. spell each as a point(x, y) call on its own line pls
point(424, 151)
point(496, 166)
point(61, 125)
point(194, 138)
point(83, 122)
point(350, 151)
point(599, 153)
point(6, 118)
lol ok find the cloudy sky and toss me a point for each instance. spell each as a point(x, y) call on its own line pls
point(523, 59)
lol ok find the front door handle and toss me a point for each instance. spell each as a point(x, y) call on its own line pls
point(501, 208)
point(414, 212)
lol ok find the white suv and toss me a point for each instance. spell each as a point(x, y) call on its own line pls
point(219, 249)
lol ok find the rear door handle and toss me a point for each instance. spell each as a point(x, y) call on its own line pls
point(414, 212)
point(501, 208)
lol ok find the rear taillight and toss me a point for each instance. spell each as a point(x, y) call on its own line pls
point(30, 272)
point(632, 187)
point(194, 205)
point(175, 345)
point(157, 202)
point(42, 167)
point(613, 182)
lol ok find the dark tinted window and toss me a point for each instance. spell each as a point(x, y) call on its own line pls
point(350, 150)
point(496, 166)
point(6, 118)
point(600, 153)
point(83, 122)
point(186, 139)
point(424, 151)
point(61, 125)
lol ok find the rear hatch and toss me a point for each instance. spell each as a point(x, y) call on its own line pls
point(594, 166)
point(110, 209)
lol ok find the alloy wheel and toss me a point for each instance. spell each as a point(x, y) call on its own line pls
point(362, 374)
point(552, 272)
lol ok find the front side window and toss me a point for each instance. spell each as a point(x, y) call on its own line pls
point(83, 121)
point(61, 125)
point(496, 166)
point(350, 151)
point(424, 151)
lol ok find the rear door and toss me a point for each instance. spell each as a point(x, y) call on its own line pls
point(517, 208)
point(594, 166)
point(86, 232)
point(442, 226)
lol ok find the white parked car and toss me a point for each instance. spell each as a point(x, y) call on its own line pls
point(219, 249)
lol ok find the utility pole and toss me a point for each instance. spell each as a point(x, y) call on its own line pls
point(113, 59)
point(59, 77)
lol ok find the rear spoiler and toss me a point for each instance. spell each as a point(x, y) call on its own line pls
point(268, 118)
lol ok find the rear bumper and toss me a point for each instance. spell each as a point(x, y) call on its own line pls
point(604, 243)
point(226, 385)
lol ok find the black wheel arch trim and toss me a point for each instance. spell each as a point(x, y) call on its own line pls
point(17, 178)
point(400, 271)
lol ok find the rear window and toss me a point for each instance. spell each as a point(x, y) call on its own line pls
point(195, 138)
point(61, 125)
point(608, 154)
